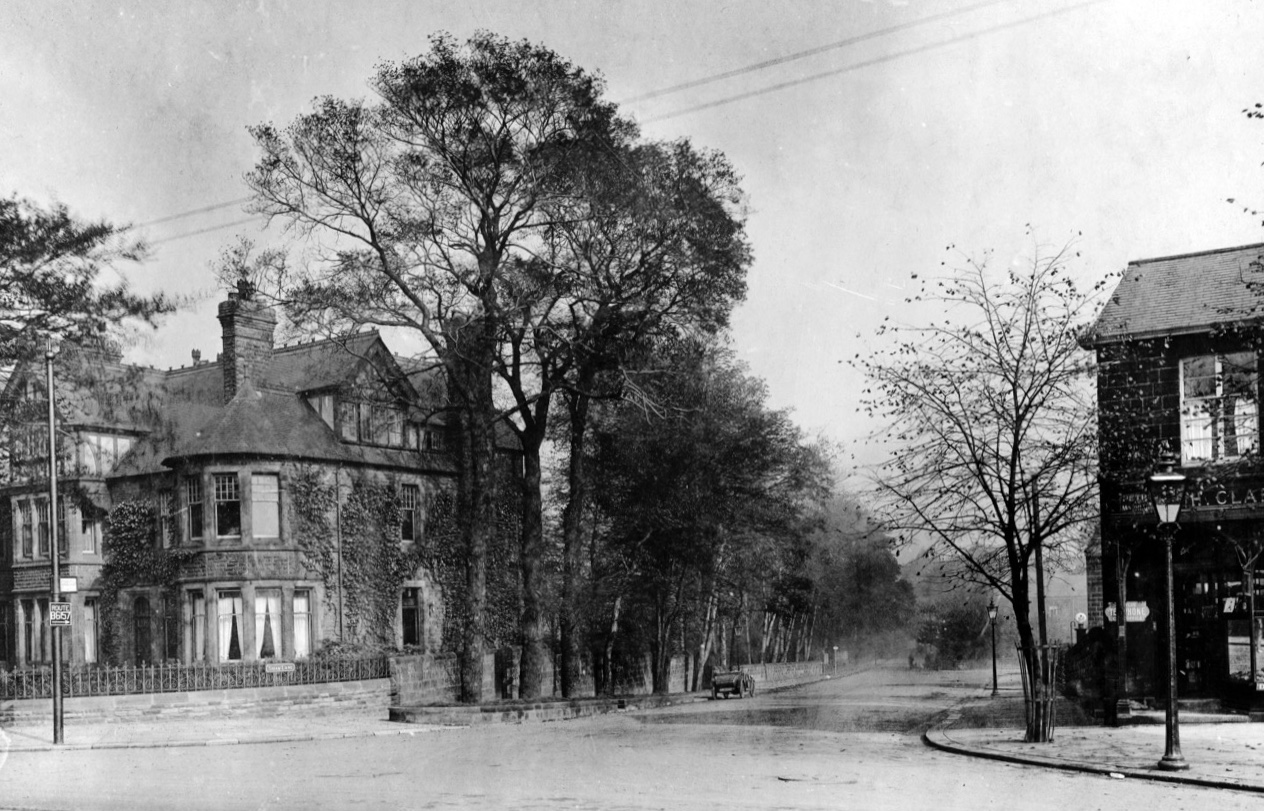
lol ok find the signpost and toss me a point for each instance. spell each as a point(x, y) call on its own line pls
point(59, 614)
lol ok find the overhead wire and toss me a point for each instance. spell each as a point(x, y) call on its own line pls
point(868, 62)
point(752, 68)
point(206, 230)
point(820, 49)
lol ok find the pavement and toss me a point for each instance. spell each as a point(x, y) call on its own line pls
point(1222, 750)
point(299, 725)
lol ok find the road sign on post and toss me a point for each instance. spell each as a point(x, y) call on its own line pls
point(59, 613)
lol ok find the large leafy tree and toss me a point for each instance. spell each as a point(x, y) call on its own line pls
point(717, 481)
point(990, 425)
point(648, 247)
point(424, 211)
point(56, 288)
point(51, 279)
point(860, 592)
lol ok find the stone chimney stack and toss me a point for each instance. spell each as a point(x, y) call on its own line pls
point(248, 327)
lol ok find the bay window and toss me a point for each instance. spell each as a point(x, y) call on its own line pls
point(193, 497)
point(265, 505)
point(227, 505)
point(229, 626)
point(268, 623)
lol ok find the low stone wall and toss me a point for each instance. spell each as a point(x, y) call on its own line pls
point(784, 674)
point(422, 679)
point(419, 680)
point(371, 695)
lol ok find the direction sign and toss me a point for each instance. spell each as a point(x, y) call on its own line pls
point(59, 613)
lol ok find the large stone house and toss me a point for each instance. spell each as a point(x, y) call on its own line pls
point(1178, 346)
point(260, 505)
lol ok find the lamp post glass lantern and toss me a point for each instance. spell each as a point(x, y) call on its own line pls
point(1167, 492)
point(992, 622)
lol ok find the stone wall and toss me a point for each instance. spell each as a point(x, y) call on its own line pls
point(424, 678)
point(427, 680)
point(369, 696)
point(780, 674)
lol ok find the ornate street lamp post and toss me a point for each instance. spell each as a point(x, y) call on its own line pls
point(992, 621)
point(1167, 491)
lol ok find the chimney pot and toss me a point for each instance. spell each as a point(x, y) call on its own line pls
point(248, 327)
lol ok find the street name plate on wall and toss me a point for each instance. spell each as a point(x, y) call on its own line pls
point(69, 585)
point(59, 613)
point(279, 667)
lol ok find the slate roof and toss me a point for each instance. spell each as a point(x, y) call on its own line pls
point(320, 364)
point(1189, 293)
point(272, 419)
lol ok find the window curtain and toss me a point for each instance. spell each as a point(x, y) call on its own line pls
point(229, 629)
point(302, 624)
point(268, 623)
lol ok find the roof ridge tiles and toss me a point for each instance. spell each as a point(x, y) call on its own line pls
point(1195, 254)
point(330, 340)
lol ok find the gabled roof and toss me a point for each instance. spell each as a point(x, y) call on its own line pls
point(269, 418)
point(322, 364)
point(1189, 293)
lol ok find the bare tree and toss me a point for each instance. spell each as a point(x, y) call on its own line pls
point(991, 428)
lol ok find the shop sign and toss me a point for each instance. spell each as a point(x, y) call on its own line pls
point(1134, 610)
point(1214, 496)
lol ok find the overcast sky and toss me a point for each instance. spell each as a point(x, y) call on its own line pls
point(915, 125)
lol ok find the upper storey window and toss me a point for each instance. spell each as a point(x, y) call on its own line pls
point(378, 424)
point(1219, 412)
point(98, 453)
point(227, 505)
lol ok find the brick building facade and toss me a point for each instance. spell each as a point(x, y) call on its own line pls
point(1178, 348)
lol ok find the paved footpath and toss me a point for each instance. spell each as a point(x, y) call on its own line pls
point(1222, 751)
point(1220, 754)
point(301, 725)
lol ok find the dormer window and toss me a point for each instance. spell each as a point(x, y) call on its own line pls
point(376, 424)
point(1219, 415)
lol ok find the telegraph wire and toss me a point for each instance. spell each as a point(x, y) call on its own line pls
point(797, 55)
point(190, 213)
point(867, 63)
point(204, 230)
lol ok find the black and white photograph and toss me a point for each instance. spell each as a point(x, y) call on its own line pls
point(631, 404)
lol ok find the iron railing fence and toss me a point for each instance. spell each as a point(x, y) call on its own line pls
point(92, 680)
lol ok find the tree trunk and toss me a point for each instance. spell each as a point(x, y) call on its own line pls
point(660, 649)
point(572, 523)
point(608, 657)
point(531, 624)
point(708, 638)
point(475, 509)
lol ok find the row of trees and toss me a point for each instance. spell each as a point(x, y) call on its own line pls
point(568, 278)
